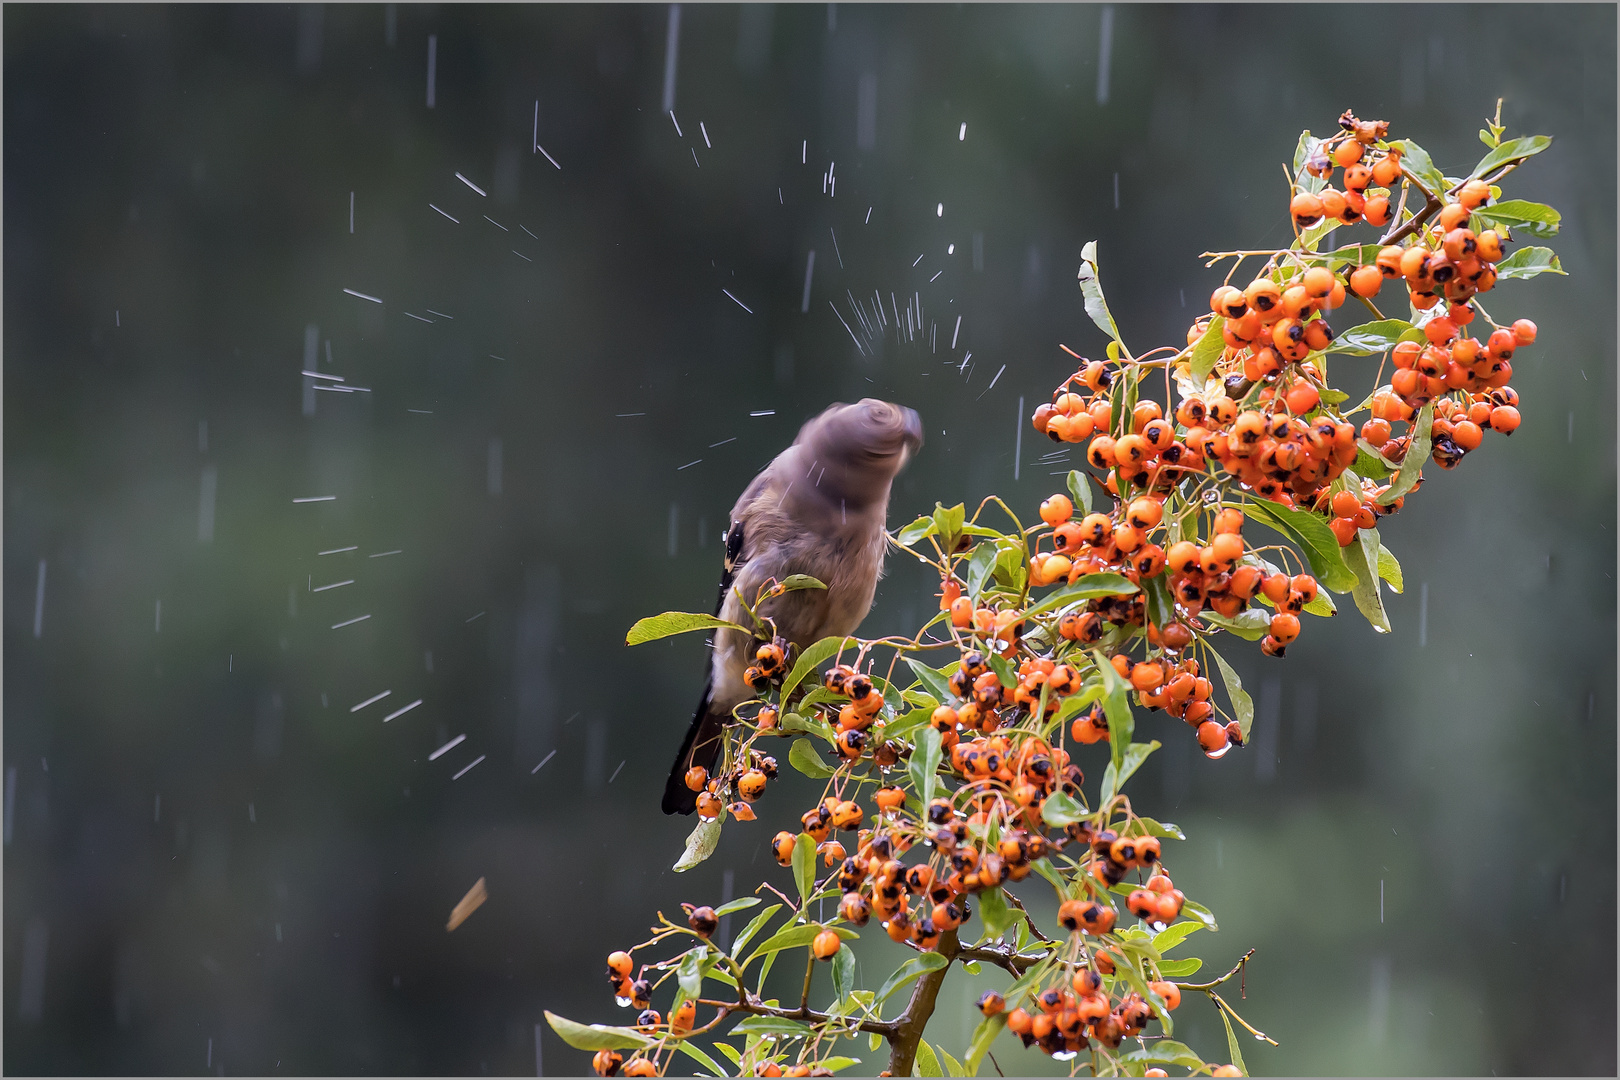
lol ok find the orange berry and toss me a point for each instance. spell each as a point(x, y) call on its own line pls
point(1057, 510)
point(1168, 992)
point(1306, 208)
point(1366, 281)
point(827, 944)
point(1524, 331)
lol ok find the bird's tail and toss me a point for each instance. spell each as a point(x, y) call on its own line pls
point(701, 747)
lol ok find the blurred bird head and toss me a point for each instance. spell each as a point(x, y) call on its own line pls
point(862, 447)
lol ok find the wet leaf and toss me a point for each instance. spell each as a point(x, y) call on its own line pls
point(595, 1036)
point(1390, 570)
point(804, 866)
point(811, 659)
point(998, 916)
point(795, 582)
point(1080, 492)
point(1370, 339)
point(1091, 288)
point(1207, 350)
point(1362, 557)
point(1311, 533)
point(923, 767)
point(803, 756)
point(983, 1036)
point(1242, 704)
point(699, 845)
point(754, 926)
point(907, 972)
point(1180, 969)
point(1526, 147)
point(927, 1063)
point(1174, 935)
point(1161, 828)
point(1528, 262)
point(1521, 216)
point(1416, 456)
point(669, 623)
point(1416, 161)
point(843, 972)
point(1088, 587)
point(742, 903)
point(980, 563)
point(1232, 1044)
point(1058, 810)
point(1114, 780)
point(1251, 625)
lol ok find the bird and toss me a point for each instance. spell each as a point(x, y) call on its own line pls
point(818, 508)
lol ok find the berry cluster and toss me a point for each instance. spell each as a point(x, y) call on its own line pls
point(943, 795)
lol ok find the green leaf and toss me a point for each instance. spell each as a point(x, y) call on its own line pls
point(1232, 1044)
point(1114, 780)
point(794, 937)
point(1370, 339)
point(1307, 146)
point(1194, 910)
point(1044, 867)
point(837, 1062)
point(804, 866)
point(654, 627)
point(811, 659)
point(1164, 1052)
point(1416, 454)
point(1171, 936)
point(948, 520)
point(1416, 161)
point(1323, 605)
point(1251, 625)
point(1134, 977)
point(1117, 707)
point(927, 1063)
point(873, 1041)
point(596, 1036)
point(937, 682)
point(1369, 462)
point(1011, 570)
point(803, 756)
point(795, 582)
point(1091, 288)
point(742, 903)
point(1521, 215)
point(771, 1025)
point(983, 1036)
point(1390, 570)
point(1350, 254)
point(906, 972)
point(1161, 828)
point(1180, 969)
point(952, 1066)
point(1207, 350)
point(924, 764)
point(1058, 810)
point(843, 972)
point(1242, 705)
point(1004, 670)
point(1488, 139)
point(1160, 608)
point(1310, 531)
point(730, 1051)
point(1528, 262)
point(689, 973)
point(980, 563)
point(699, 845)
point(998, 916)
point(753, 927)
point(1362, 555)
point(1080, 491)
point(917, 530)
point(1526, 147)
point(1088, 587)
point(686, 1047)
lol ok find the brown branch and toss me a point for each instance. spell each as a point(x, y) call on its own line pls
point(1015, 962)
point(1244, 959)
point(909, 1024)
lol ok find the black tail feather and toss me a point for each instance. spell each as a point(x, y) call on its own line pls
point(701, 747)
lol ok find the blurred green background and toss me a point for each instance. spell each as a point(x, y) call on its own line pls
point(215, 863)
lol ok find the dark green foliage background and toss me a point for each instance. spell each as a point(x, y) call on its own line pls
point(184, 168)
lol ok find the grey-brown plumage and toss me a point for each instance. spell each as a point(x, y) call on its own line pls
point(817, 509)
